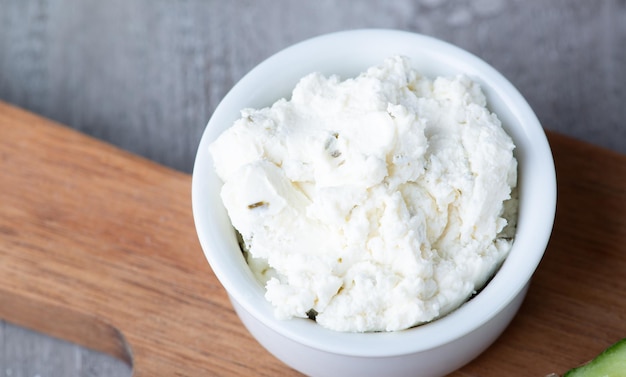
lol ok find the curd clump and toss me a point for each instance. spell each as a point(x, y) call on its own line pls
point(372, 204)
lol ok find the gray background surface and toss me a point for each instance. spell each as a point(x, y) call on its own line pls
point(147, 74)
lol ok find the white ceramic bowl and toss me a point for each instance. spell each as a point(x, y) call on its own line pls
point(433, 349)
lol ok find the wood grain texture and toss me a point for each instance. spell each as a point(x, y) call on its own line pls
point(575, 306)
point(98, 247)
point(145, 75)
point(72, 264)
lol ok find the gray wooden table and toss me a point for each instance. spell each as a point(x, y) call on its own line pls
point(147, 74)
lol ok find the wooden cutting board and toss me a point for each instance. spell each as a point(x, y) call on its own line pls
point(98, 247)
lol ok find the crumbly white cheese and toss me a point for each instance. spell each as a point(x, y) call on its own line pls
point(377, 203)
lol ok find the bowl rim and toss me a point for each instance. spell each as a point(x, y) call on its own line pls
point(515, 272)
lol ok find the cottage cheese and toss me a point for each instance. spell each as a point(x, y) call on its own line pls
point(374, 204)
